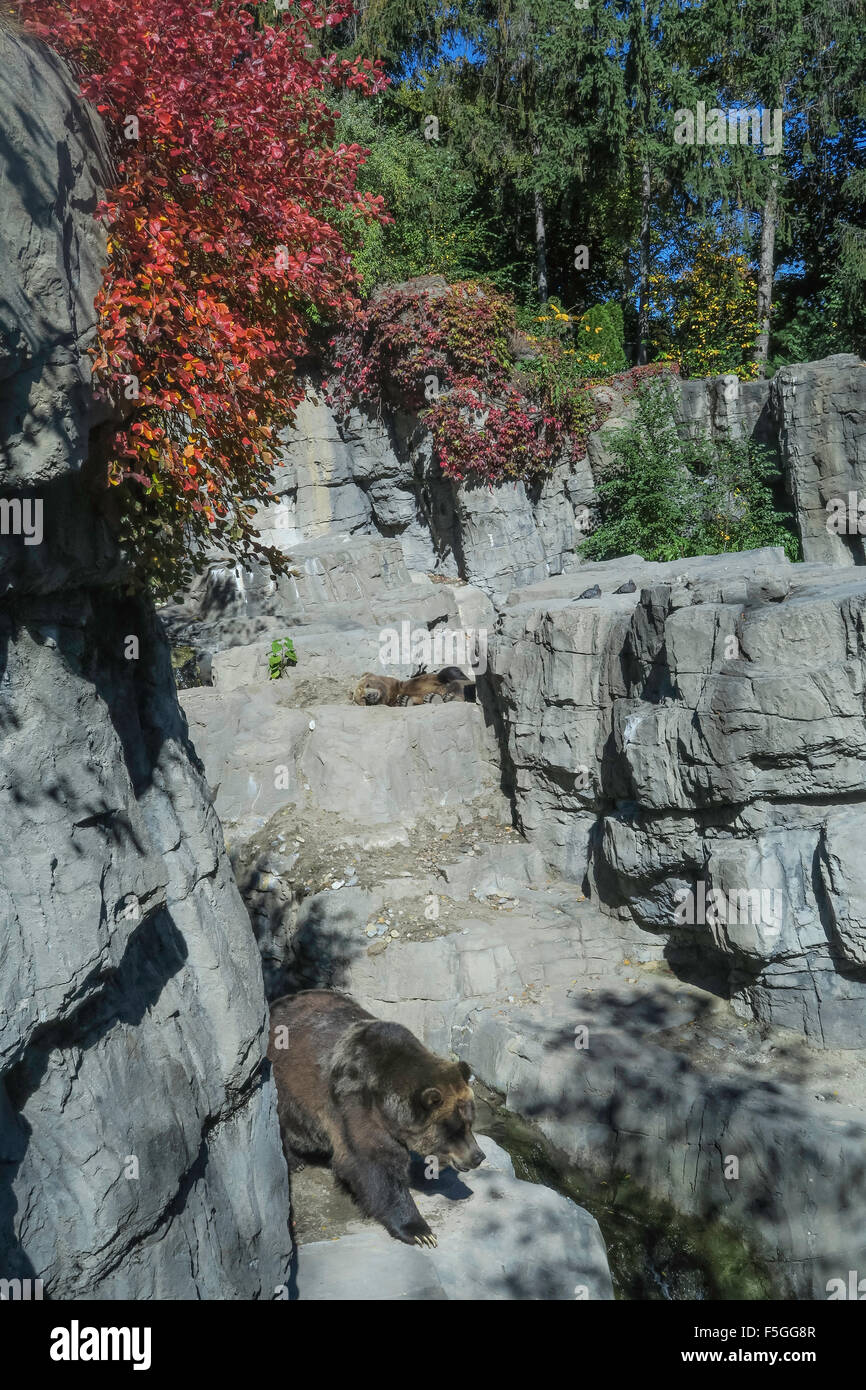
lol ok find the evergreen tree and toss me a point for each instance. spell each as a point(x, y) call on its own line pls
point(801, 60)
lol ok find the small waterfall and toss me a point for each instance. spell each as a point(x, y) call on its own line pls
point(226, 586)
point(241, 584)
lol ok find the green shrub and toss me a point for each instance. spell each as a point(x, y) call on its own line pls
point(591, 344)
point(557, 378)
point(281, 655)
point(598, 340)
point(665, 498)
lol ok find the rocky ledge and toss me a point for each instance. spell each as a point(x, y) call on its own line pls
point(498, 1238)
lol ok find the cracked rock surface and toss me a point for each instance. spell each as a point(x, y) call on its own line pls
point(139, 1149)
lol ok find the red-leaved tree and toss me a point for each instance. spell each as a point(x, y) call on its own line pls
point(225, 244)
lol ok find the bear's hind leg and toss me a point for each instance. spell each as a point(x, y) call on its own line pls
point(296, 1162)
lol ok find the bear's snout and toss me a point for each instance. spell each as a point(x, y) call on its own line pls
point(466, 1158)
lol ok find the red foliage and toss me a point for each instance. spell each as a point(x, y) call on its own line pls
point(492, 441)
point(222, 239)
point(451, 354)
point(636, 374)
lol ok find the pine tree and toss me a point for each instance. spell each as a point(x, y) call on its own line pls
point(802, 60)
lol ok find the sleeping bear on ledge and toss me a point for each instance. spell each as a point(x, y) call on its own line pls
point(423, 688)
point(363, 1094)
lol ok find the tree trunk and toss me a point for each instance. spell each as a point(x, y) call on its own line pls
point(765, 276)
point(625, 304)
point(643, 324)
point(540, 247)
point(765, 265)
point(540, 238)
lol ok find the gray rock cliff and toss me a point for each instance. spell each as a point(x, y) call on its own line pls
point(703, 734)
point(374, 476)
point(139, 1149)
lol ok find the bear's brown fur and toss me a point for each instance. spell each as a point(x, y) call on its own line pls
point(364, 1094)
point(440, 687)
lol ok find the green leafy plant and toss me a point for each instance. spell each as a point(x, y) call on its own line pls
point(572, 350)
point(441, 222)
point(665, 497)
point(598, 340)
point(812, 327)
point(558, 379)
point(550, 320)
point(281, 655)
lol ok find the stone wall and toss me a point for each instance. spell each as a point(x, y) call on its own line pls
point(139, 1148)
point(820, 411)
point(375, 476)
point(372, 475)
point(704, 733)
point(813, 415)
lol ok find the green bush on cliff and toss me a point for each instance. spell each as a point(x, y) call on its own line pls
point(665, 498)
point(598, 340)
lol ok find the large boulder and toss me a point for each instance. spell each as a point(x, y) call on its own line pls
point(53, 165)
point(139, 1147)
point(375, 475)
point(364, 766)
point(724, 406)
point(820, 411)
point(700, 740)
point(499, 1238)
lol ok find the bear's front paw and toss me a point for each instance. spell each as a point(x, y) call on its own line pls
point(417, 1232)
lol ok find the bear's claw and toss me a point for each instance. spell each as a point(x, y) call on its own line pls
point(428, 1240)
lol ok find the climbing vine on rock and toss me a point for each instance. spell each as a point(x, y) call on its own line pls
point(449, 354)
point(222, 249)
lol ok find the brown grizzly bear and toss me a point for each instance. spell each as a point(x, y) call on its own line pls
point(421, 689)
point(364, 1094)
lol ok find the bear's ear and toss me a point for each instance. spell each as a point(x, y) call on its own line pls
point(431, 1097)
point(465, 1070)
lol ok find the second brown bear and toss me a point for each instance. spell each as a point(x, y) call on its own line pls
point(421, 689)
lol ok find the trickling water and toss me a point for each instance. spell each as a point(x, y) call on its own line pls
point(240, 581)
point(655, 1253)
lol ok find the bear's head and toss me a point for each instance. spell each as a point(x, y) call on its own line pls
point(362, 694)
point(444, 1116)
point(371, 690)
